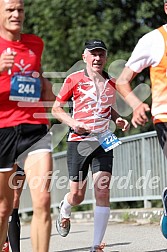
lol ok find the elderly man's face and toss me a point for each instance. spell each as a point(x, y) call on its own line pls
point(95, 59)
point(11, 15)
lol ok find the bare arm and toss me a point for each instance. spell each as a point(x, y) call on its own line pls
point(59, 113)
point(47, 92)
point(120, 122)
point(124, 88)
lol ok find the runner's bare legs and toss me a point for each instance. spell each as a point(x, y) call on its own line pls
point(38, 166)
point(6, 204)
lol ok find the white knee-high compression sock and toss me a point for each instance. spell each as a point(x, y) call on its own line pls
point(66, 208)
point(101, 217)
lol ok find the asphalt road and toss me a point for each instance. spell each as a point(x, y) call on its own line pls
point(119, 238)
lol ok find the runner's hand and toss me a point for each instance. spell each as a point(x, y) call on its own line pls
point(81, 128)
point(139, 115)
point(122, 123)
point(7, 61)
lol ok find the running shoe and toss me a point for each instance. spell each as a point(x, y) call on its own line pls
point(5, 247)
point(163, 222)
point(62, 224)
point(98, 248)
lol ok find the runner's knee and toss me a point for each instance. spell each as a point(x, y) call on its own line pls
point(77, 198)
point(5, 209)
point(102, 193)
point(42, 203)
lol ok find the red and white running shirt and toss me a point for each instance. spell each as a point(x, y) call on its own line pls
point(87, 107)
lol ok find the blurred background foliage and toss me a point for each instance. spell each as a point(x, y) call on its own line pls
point(64, 25)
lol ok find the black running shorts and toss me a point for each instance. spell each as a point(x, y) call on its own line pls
point(82, 154)
point(161, 129)
point(19, 141)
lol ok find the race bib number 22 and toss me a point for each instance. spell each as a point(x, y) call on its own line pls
point(108, 140)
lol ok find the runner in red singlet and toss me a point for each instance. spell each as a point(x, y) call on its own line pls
point(24, 137)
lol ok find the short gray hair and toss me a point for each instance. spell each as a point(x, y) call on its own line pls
point(86, 50)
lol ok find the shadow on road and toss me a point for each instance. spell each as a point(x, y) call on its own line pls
point(161, 250)
point(87, 248)
point(28, 237)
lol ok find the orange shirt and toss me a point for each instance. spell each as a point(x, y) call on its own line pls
point(158, 76)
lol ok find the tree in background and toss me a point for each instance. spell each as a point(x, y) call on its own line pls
point(64, 26)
